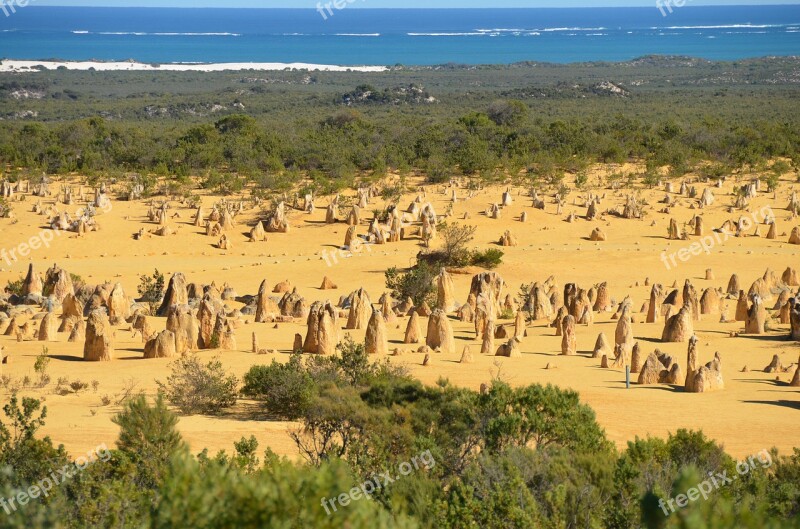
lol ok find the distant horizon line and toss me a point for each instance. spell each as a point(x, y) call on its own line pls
point(363, 8)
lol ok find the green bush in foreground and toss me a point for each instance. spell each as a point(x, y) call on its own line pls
point(507, 458)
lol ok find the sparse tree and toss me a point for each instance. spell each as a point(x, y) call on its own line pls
point(151, 290)
point(455, 241)
point(148, 436)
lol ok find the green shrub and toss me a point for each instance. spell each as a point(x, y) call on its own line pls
point(507, 314)
point(27, 457)
point(455, 240)
point(222, 182)
point(77, 281)
point(40, 367)
point(149, 437)
point(151, 290)
point(418, 283)
point(5, 208)
point(77, 386)
point(491, 258)
point(15, 287)
point(581, 179)
point(287, 495)
point(286, 389)
point(197, 388)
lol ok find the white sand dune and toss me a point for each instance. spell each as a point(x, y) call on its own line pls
point(19, 66)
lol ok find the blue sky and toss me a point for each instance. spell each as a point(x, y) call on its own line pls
point(392, 3)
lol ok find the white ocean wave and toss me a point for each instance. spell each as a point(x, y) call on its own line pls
point(197, 34)
point(465, 34)
point(499, 32)
point(503, 30)
point(550, 30)
point(729, 26)
point(159, 34)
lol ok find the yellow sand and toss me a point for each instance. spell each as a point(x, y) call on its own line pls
point(755, 410)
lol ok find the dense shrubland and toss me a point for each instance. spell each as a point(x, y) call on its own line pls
point(270, 130)
point(238, 150)
point(508, 457)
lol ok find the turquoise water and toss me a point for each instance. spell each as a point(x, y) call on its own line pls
point(354, 36)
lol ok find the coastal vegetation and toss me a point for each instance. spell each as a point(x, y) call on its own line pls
point(270, 130)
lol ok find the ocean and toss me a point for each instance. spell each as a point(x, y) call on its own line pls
point(386, 37)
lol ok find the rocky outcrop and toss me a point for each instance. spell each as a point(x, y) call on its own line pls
point(99, 338)
point(118, 305)
point(445, 299)
point(440, 333)
point(266, 308)
point(539, 304)
point(509, 349)
point(32, 283)
point(709, 377)
point(602, 300)
point(756, 317)
point(360, 310)
point(679, 327)
point(376, 341)
point(654, 307)
point(162, 346)
point(413, 331)
point(182, 323)
point(176, 294)
point(691, 365)
point(58, 284)
point(322, 336)
point(47, 328)
point(794, 317)
point(601, 347)
point(569, 341)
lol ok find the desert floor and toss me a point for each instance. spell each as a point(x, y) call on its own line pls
point(756, 410)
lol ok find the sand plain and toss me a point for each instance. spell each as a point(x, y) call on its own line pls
point(756, 410)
